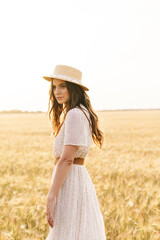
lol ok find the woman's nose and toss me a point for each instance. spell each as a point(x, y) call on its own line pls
point(57, 91)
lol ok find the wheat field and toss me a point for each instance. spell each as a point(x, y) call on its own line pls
point(126, 174)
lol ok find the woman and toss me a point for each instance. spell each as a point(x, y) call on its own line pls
point(73, 211)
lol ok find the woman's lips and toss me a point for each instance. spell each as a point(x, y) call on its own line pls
point(59, 98)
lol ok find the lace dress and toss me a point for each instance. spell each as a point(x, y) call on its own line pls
point(77, 212)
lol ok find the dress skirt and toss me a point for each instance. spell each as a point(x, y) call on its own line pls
point(77, 212)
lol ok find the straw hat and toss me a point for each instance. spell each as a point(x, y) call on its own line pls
point(67, 73)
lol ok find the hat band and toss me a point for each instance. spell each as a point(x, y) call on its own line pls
point(64, 77)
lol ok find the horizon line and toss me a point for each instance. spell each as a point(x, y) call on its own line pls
point(102, 110)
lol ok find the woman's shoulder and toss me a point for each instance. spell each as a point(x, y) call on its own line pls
point(76, 112)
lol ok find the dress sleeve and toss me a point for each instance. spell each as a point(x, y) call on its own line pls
point(75, 128)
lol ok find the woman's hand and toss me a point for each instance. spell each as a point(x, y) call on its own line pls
point(50, 209)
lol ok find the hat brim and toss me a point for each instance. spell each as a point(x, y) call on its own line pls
point(50, 78)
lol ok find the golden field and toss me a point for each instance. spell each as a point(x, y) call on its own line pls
point(126, 174)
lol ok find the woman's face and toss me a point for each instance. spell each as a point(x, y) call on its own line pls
point(60, 91)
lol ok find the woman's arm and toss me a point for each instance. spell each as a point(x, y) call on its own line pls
point(63, 167)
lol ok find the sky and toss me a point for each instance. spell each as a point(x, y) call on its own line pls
point(115, 44)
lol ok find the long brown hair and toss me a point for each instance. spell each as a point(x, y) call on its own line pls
point(77, 96)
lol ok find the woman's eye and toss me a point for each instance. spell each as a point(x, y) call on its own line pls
point(61, 86)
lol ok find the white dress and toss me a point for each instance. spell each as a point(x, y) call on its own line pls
point(77, 212)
